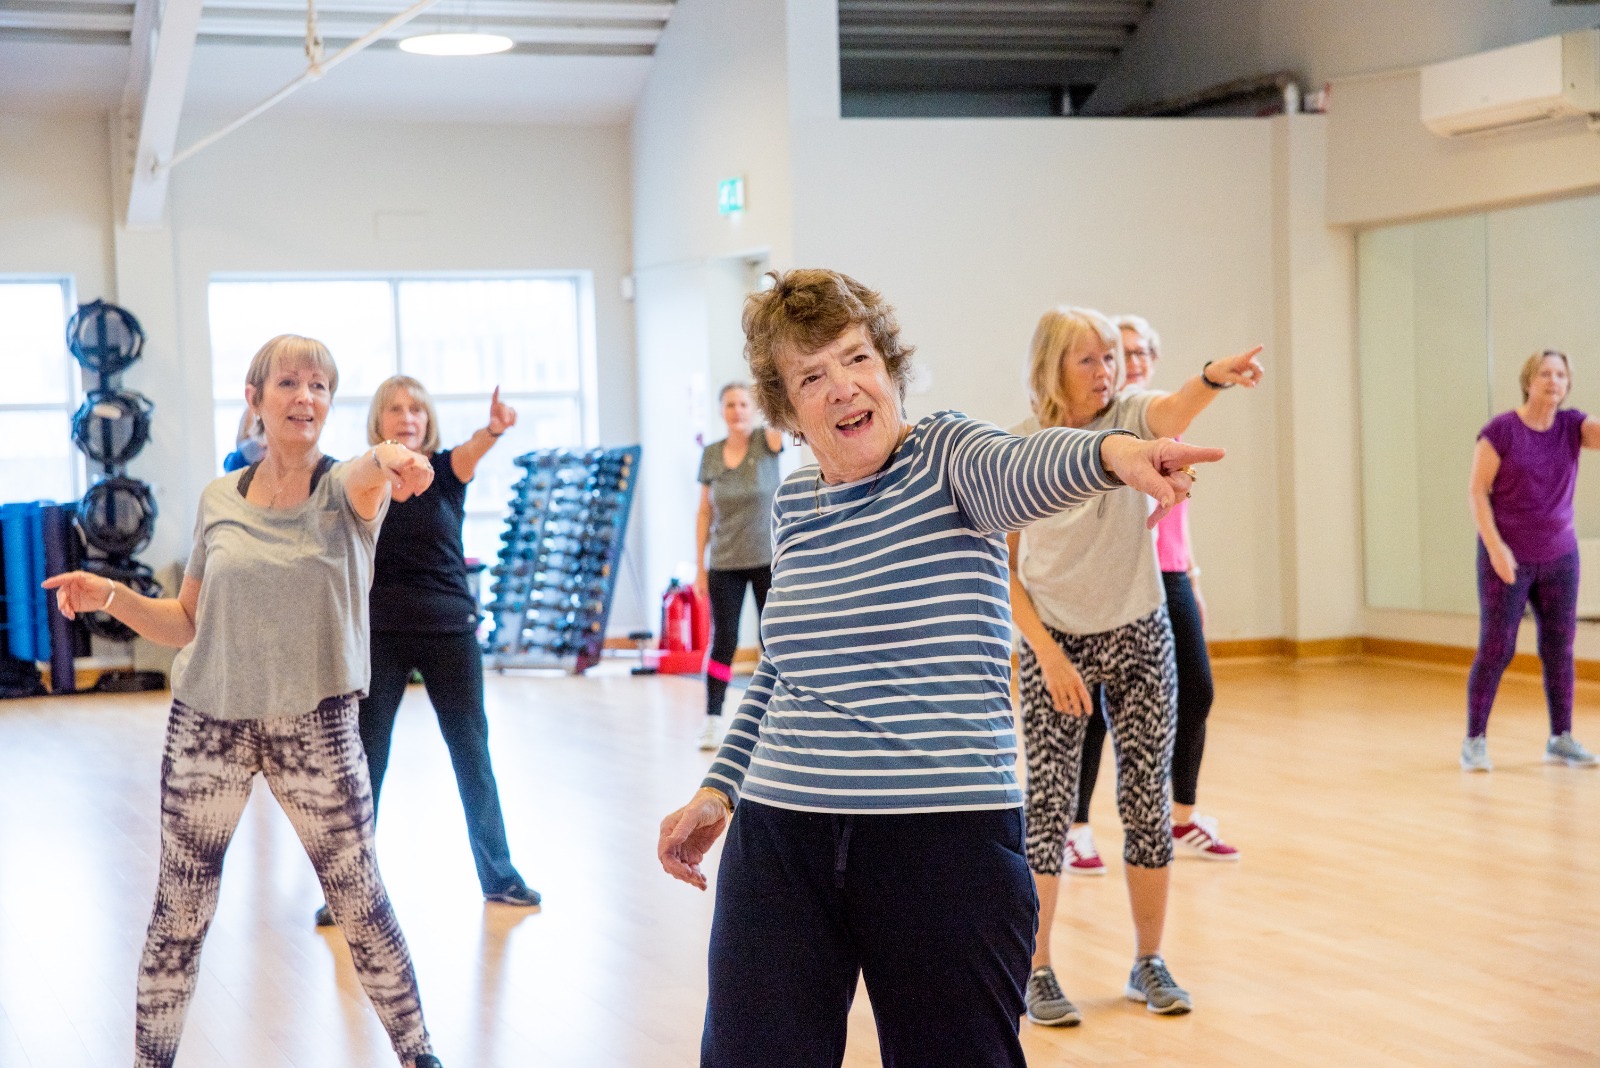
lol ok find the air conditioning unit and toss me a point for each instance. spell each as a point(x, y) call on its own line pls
point(1540, 81)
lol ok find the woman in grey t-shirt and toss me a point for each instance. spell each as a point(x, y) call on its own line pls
point(1087, 597)
point(738, 479)
point(272, 627)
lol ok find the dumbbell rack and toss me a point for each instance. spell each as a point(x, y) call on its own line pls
point(557, 572)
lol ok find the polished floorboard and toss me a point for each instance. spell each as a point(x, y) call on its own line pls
point(1389, 910)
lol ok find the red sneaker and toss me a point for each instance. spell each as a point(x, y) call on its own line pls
point(1080, 857)
point(1200, 839)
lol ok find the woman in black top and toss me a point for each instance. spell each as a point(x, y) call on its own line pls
point(424, 619)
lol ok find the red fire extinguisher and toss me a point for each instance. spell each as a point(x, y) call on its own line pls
point(677, 618)
point(685, 631)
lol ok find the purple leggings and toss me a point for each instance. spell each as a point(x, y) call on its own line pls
point(1552, 588)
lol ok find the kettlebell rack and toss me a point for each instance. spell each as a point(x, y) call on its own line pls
point(117, 515)
point(559, 557)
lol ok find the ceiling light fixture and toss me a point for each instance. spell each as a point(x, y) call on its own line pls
point(456, 44)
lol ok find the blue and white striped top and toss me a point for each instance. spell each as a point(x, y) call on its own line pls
point(885, 685)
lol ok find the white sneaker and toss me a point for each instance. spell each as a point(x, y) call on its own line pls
point(1475, 754)
point(1565, 749)
point(710, 736)
point(1079, 857)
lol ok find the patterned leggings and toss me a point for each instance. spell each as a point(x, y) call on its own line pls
point(1135, 664)
point(315, 767)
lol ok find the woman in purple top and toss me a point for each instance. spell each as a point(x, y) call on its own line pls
point(1523, 475)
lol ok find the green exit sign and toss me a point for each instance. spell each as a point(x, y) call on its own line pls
point(730, 196)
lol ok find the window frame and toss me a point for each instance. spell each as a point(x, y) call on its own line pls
point(586, 395)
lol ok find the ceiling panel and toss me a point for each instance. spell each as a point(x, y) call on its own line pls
point(573, 60)
point(982, 44)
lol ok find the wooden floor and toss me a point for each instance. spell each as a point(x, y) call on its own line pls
point(1389, 910)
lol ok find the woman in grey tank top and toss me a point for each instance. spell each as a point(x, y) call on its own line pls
point(272, 627)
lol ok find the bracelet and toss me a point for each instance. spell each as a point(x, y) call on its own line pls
point(374, 453)
point(111, 585)
point(727, 804)
point(1207, 381)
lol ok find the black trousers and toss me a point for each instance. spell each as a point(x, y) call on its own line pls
point(1195, 693)
point(935, 910)
point(727, 602)
point(451, 666)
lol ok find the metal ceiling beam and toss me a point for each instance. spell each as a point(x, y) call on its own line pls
point(965, 74)
point(576, 11)
point(347, 28)
point(175, 35)
point(290, 15)
point(114, 20)
point(1127, 10)
point(972, 55)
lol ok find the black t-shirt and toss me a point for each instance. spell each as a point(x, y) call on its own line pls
point(420, 577)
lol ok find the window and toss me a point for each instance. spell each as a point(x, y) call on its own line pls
point(461, 337)
point(38, 460)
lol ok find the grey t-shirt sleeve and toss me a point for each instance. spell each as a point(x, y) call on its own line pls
point(196, 567)
point(710, 459)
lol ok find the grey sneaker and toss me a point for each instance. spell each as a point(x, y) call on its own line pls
point(1046, 1003)
point(1565, 749)
point(1151, 983)
point(1475, 754)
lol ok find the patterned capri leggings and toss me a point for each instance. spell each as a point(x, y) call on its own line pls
point(317, 771)
point(1136, 666)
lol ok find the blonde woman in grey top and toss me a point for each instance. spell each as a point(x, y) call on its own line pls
point(271, 622)
point(1087, 597)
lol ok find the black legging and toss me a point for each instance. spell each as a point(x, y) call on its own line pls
point(1194, 702)
point(451, 666)
point(727, 601)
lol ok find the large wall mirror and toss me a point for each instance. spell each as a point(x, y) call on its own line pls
point(1449, 310)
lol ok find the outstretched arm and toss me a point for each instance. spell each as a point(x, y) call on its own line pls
point(386, 464)
point(1171, 413)
point(1003, 482)
point(164, 620)
point(464, 457)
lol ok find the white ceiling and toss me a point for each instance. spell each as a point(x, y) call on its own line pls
point(576, 61)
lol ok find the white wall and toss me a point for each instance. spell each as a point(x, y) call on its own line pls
point(978, 226)
point(1385, 167)
point(715, 106)
point(1319, 419)
point(55, 193)
point(1186, 45)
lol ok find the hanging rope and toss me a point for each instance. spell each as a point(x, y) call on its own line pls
point(313, 38)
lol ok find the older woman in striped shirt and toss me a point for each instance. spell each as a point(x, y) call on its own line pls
point(872, 763)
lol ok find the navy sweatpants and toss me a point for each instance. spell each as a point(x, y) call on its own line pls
point(936, 910)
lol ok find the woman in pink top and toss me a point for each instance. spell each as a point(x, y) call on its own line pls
point(1191, 833)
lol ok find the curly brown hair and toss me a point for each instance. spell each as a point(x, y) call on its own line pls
point(806, 310)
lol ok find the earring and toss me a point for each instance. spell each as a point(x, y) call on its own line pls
point(799, 439)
